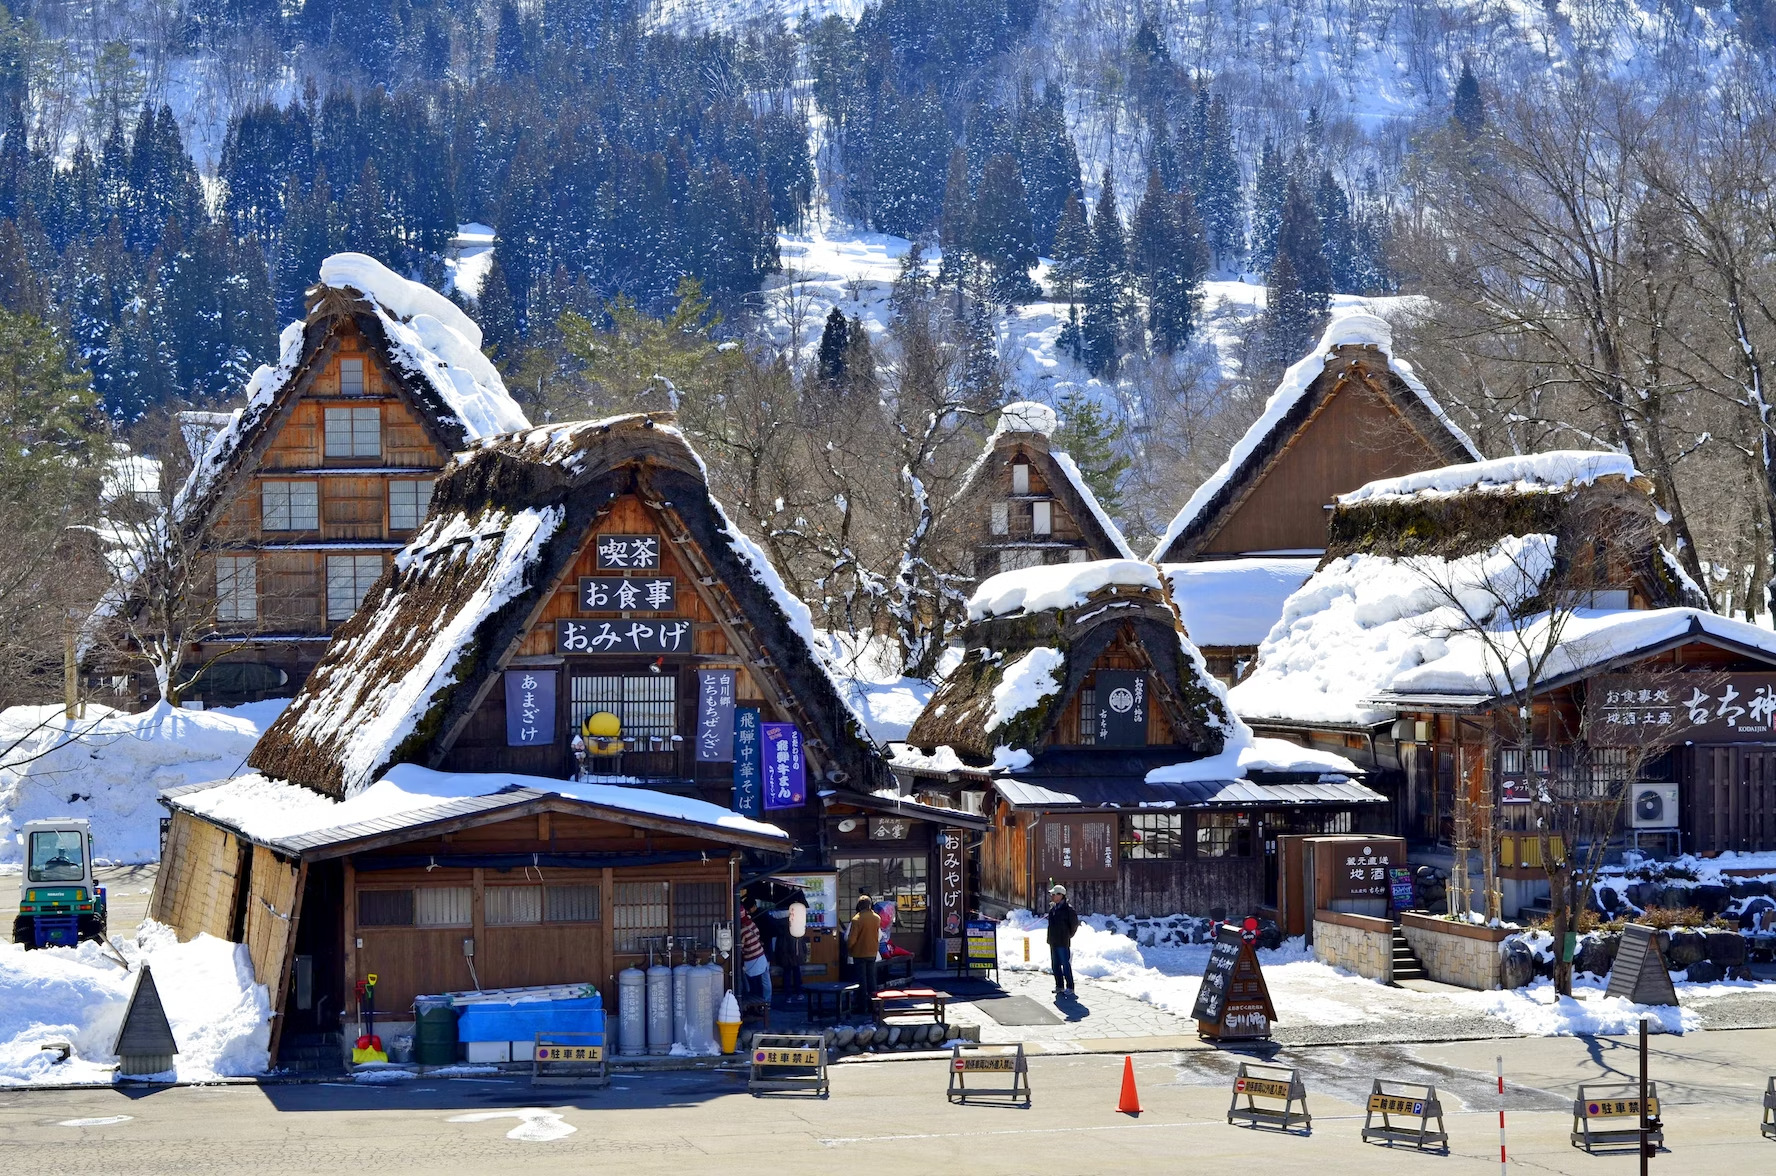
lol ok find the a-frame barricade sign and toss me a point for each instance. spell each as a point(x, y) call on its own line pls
point(1608, 1115)
point(789, 1063)
point(1002, 1060)
point(1769, 1124)
point(1271, 1085)
point(1406, 1110)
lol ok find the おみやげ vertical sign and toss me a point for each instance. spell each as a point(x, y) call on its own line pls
point(749, 759)
point(786, 778)
point(530, 708)
point(715, 716)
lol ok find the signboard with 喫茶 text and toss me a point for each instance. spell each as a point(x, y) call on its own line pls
point(628, 552)
point(715, 716)
point(530, 708)
point(657, 594)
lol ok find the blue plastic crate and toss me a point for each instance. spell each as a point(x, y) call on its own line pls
point(521, 1022)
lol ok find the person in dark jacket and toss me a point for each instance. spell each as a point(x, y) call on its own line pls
point(1063, 924)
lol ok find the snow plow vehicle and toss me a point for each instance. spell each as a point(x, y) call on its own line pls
point(59, 903)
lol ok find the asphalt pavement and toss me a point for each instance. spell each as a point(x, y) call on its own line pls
point(892, 1116)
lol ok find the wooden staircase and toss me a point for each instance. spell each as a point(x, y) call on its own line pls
point(1406, 965)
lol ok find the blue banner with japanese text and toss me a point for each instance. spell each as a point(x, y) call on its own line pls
point(786, 778)
point(749, 781)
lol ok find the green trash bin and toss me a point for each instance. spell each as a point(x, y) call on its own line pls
point(434, 1033)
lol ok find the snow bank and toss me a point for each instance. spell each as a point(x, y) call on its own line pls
point(1054, 586)
point(1025, 683)
point(220, 1017)
point(866, 668)
point(109, 767)
point(1525, 474)
point(1234, 601)
point(1539, 1011)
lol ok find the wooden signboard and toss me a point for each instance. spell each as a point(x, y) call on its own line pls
point(1639, 973)
point(1076, 848)
point(1233, 1003)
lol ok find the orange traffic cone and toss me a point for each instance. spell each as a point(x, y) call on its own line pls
point(1130, 1102)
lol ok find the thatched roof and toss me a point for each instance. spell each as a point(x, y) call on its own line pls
point(1356, 349)
point(508, 519)
point(1021, 666)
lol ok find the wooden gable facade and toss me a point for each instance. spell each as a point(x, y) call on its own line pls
point(1358, 420)
point(1026, 506)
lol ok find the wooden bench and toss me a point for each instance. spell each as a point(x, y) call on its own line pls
point(895, 1006)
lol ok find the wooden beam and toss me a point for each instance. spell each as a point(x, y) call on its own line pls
point(281, 992)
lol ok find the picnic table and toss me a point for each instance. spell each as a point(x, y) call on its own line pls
point(894, 1006)
point(838, 995)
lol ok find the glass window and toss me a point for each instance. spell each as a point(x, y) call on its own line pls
point(1020, 477)
point(351, 377)
point(444, 906)
point(1223, 835)
point(571, 904)
point(348, 578)
point(385, 908)
point(1042, 518)
point(1001, 518)
point(902, 879)
point(638, 910)
point(1154, 836)
point(507, 905)
point(58, 855)
point(290, 506)
point(696, 908)
point(409, 499)
point(1088, 706)
point(354, 432)
point(646, 705)
point(237, 588)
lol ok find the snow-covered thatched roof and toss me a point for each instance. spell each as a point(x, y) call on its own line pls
point(1350, 344)
point(508, 518)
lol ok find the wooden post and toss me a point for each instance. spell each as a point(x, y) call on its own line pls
point(350, 922)
point(606, 908)
point(478, 921)
point(70, 673)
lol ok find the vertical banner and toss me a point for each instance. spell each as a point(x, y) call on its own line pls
point(749, 780)
point(715, 716)
point(1122, 708)
point(951, 901)
point(530, 708)
point(786, 777)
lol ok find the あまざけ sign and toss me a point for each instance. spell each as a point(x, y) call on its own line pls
point(530, 708)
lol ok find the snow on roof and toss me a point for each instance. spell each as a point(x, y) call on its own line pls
point(1357, 328)
point(1525, 474)
point(382, 710)
point(1262, 754)
point(1027, 416)
point(1025, 683)
point(1234, 601)
point(1065, 460)
point(439, 342)
point(1056, 586)
point(275, 811)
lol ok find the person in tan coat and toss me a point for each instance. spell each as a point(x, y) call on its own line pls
point(862, 944)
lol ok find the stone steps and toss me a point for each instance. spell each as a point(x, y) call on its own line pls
point(1406, 965)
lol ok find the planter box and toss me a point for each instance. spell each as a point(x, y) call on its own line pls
point(1462, 954)
point(1356, 943)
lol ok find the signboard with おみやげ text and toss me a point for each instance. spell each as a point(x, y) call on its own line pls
point(715, 716)
point(647, 637)
point(786, 774)
point(1121, 710)
point(749, 761)
point(952, 877)
point(530, 708)
point(628, 552)
point(658, 594)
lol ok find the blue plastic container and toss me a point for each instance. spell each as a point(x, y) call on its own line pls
point(521, 1022)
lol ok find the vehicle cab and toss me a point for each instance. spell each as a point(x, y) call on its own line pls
point(59, 886)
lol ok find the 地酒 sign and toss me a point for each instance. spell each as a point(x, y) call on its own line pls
point(749, 761)
point(1078, 848)
point(530, 708)
point(1629, 710)
point(628, 594)
point(786, 774)
point(628, 552)
point(1363, 871)
point(1120, 714)
point(622, 636)
point(715, 716)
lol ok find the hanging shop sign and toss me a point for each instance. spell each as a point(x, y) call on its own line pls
point(715, 716)
point(650, 637)
point(1121, 710)
point(952, 902)
point(530, 708)
point(749, 762)
point(1629, 710)
point(889, 828)
point(1078, 848)
point(786, 774)
point(628, 553)
point(628, 594)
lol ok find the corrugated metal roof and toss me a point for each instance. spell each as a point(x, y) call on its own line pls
point(1084, 792)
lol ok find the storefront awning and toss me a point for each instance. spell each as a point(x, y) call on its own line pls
point(1069, 792)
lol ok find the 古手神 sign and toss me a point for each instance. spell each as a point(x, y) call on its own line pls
point(1628, 710)
point(628, 552)
point(749, 752)
point(786, 777)
point(1362, 869)
point(715, 716)
point(622, 636)
point(530, 708)
point(628, 594)
point(1121, 711)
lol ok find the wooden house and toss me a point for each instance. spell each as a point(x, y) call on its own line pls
point(299, 498)
point(1025, 503)
point(1106, 757)
point(581, 654)
point(1569, 595)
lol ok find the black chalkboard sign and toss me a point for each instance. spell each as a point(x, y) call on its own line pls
point(1233, 1001)
point(1639, 973)
point(1217, 979)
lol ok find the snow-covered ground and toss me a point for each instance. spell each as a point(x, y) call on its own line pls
point(220, 1018)
point(1306, 992)
point(109, 767)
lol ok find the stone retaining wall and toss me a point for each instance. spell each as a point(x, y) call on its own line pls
point(1357, 943)
point(1455, 953)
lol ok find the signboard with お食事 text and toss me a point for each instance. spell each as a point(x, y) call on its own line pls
point(656, 594)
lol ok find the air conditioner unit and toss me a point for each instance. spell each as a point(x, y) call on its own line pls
point(1655, 806)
